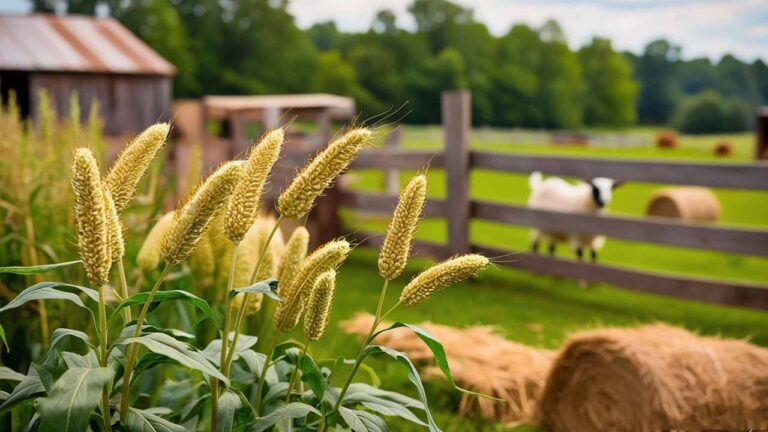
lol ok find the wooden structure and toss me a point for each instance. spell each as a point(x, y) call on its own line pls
point(241, 119)
point(761, 132)
point(96, 58)
point(459, 208)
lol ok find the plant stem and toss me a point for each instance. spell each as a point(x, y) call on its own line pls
point(367, 341)
point(103, 360)
point(224, 339)
point(263, 375)
point(124, 289)
point(244, 303)
point(29, 225)
point(296, 371)
point(133, 348)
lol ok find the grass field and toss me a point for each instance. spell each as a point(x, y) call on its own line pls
point(541, 310)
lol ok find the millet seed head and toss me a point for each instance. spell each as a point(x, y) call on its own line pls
point(243, 205)
point(133, 162)
point(326, 257)
point(149, 255)
point(397, 244)
point(440, 276)
point(91, 217)
point(319, 305)
point(191, 221)
point(297, 199)
point(114, 226)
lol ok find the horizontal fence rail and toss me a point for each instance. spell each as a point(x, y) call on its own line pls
point(459, 209)
point(736, 175)
point(649, 230)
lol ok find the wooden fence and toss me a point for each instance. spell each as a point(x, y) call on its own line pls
point(458, 208)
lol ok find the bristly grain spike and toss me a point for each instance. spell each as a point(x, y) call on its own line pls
point(114, 227)
point(91, 217)
point(440, 276)
point(149, 255)
point(319, 306)
point(243, 206)
point(298, 198)
point(133, 162)
point(191, 221)
point(326, 257)
point(397, 244)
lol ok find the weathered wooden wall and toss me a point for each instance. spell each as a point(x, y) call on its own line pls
point(127, 103)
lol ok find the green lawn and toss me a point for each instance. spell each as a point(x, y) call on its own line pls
point(514, 300)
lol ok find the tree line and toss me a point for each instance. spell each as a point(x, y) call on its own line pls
point(528, 77)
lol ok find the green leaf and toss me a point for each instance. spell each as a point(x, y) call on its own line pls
point(66, 339)
point(50, 291)
point(145, 421)
point(234, 411)
point(8, 374)
point(285, 412)
point(413, 375)
point(244, 342)
point(362, 421)
point(267, 287)
point(438, 352)
point(163, 296)
point(31, 386)
point(28, 270)
point(2, 336)
point(356, 389)
point(72, 399)
point(181, 352)
point(73, 360)
point(312, 376)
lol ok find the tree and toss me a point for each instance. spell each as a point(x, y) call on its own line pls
point(709, 112)
point(438, 19)
point(656, 71)
point(167, 35)
point(560, 87)
point(444, 72)
point(610, 96)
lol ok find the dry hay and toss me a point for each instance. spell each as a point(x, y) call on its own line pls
point(655, 377)
point(687, 203)
point(480, 361)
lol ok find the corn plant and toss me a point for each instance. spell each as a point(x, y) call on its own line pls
point(110, 382)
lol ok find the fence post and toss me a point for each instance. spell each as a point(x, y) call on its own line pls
point(761, 133)
point(456, 126)
point(391, 176)
point(326, 214)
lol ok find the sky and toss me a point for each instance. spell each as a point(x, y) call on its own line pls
point(703, 28)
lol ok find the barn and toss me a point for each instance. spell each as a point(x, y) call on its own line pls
point(97, 58)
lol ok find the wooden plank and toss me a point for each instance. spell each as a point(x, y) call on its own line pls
point(737, 175)
point(650, 230)
point(384, 203)
point(761, 133)
point(398, 159)
point(420, 247)
point(714, 291)
point(456, 111)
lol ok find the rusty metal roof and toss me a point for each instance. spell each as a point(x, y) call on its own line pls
point(73, 43)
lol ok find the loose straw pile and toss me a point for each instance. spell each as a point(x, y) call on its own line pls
point(480, 361)
point(655, 377)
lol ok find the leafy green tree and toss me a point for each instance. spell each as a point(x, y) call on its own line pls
point(709, 112)
point(336, 75)
point(166, 33)
point(438, 19)
point(561, 87)
point(609, 99)
point(697, 75)
point(656, 70)
point(735, 79)
point(446, 71)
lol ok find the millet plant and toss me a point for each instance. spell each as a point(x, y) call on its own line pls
point(82, 384)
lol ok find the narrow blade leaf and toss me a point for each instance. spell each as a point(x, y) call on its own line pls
point(27, 270)
point(72, 399)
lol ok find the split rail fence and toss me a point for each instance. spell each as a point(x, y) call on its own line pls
point(458, 208)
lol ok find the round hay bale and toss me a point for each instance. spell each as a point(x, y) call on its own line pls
point(723, 149)
point(655, 378)
point(689, 203)
point(666, 139)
